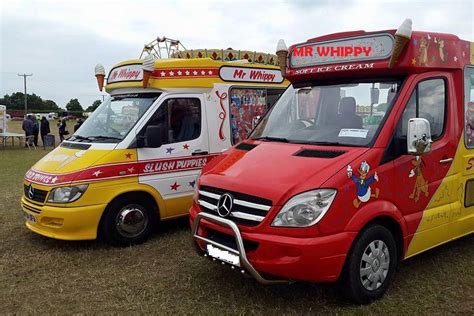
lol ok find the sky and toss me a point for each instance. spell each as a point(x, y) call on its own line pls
point(60, 42)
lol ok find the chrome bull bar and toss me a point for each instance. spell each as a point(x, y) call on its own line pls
point(244, 262)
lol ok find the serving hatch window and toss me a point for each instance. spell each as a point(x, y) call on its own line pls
point(114, 118)
point(247, 106)
point(469, 106)
point(343, 114)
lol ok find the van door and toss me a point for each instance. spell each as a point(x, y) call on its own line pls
point(424, 187)
point(173, 167)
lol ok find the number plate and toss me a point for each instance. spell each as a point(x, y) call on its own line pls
point(223, 255)
point(29, 217)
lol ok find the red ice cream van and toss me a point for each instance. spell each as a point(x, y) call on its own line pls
point(367, 159)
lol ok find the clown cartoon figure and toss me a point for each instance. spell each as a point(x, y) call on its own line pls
point(363, 183)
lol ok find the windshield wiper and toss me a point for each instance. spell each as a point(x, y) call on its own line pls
point(271, 139)
point(101, 137)
point(79, 137)
point(92, 138)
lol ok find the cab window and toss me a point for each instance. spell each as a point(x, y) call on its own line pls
point(469, 106)
point(179, 119)
point(247, 105)
point(428, 101)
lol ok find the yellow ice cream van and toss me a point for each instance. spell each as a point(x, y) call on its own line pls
point(136, 159)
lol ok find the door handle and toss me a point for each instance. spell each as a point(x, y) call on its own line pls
point(199, 153)
point(446, 160)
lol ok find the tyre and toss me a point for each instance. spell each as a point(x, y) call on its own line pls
point(128, 221)
point(370, 265)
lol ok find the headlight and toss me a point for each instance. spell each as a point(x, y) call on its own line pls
point(67, 194)
point(305, 209)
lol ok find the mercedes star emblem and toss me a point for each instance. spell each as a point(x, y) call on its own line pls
point(31, 192)
point(224, 205)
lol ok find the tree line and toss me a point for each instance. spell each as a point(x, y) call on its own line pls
point(15, 101)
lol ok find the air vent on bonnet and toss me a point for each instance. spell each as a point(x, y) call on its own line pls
point(75, 145)
point(245, 146)
point(319, 153)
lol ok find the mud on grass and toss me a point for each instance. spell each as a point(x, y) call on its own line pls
point(164, 275)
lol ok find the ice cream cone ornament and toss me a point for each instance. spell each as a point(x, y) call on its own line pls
point(100, 76)
point(148, 67)
point(402, 37)
point(282, 54)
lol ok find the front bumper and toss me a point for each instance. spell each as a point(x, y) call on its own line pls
point(66, 223)
point(277, 259)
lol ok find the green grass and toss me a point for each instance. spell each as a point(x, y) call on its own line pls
point(164, 275)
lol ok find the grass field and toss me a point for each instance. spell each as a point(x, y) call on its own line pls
point(164, 275)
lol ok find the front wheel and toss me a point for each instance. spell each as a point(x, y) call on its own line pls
point(370, 266)
point(128, 221)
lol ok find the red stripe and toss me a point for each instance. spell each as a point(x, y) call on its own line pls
point(120, 170)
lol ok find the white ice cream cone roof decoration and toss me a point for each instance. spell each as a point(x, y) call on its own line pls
point(281, 46)
point(148, 63)
point(99, 70)
point(100, 75)
point(405, 29)
point(402, 37)
point(148, 67)
point(282, 54)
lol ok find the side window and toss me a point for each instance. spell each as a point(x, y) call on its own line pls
point(432, 104)
point(469, 106)
point(428, 100)
point(246, 106)
point(179, 119)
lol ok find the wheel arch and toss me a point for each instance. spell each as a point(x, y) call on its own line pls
point(386, 214)
point(144, 192)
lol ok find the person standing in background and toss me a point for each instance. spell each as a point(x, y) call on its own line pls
point(44, 128)
point(27, 126)
point(35, 129)
point(78, 124)
point(62, 130)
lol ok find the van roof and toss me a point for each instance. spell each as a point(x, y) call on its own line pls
point(189, 72)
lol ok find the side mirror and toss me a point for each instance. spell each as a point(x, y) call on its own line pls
point(418, 136)
point(153, 136)
point(374, 95)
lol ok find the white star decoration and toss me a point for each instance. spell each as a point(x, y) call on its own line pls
point(131, 170)
point(97, 173)
point(180, 73)
point(455, 59)
point(53, 180)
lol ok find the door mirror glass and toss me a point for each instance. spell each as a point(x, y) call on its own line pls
point(418, 136)
point(153, 136)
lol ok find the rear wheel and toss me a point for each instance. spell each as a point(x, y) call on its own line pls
point(128, 221)
point(370, 266)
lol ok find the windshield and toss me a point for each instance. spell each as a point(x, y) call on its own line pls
point(114, 118)
point(344, 114)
